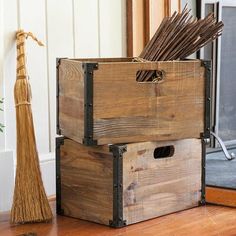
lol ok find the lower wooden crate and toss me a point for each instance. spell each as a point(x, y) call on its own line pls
point(119, 185)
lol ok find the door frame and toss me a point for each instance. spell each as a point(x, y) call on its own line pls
point(214, 194)
point(218, 6)
point(138, 13)
point(222, 3)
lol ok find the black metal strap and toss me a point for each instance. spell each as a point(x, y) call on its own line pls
point(88, 103)
point(59, 142)
point(117, 151)
point(207, 65)
point(203, 187)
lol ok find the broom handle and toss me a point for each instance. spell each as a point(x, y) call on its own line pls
point(21, 37)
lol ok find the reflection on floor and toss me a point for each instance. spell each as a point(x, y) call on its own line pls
point(219, 171)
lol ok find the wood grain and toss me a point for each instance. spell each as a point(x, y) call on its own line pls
point(86, 182)
point(221, 196)
point(179, 5)
point(151, 187)
point(107, 59)
point(155, 187)
point(138, 7)
point(127, 111)
point(167, 8)
point(205, 221)
point(71, 99)
point(129, 27)
point(146, 9)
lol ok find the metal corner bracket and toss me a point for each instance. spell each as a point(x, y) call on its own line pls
point(203, 178)
point(205, 136)
point(59, 142)
point(208, 75)
point(88, 103)
point(117, 151)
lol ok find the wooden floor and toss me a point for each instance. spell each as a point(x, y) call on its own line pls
point(209, 220)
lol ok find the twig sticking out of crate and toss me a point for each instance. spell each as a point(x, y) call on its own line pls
point(179, 36)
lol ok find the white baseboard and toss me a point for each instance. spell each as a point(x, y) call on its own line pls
point(48, 170)
point(7, 177)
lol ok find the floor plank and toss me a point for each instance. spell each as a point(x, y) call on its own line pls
point(209, 220)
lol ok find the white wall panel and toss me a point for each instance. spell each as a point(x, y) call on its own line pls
point(60, 43)
point(2, 117)
point(9, 70)
point(69, 28)
point(48, 172)
point(86, 28)
point(112, 28)
point(32, 18)
point(8, 25)
point(6, 180)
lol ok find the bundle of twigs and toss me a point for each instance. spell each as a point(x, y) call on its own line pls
point(179, 36)
point(30, 203)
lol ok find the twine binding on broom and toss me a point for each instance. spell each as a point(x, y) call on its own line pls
point(22, 103)
point(30, 203)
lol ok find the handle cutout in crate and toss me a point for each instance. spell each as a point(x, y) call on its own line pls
point(155, 76)
point(164, 152)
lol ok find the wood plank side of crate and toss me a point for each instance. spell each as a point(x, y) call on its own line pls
point(71, 99)
point(127, 111)
point(86, 182)
point(155, 187)
point(104, 60)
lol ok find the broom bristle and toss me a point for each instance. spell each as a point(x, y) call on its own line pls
point(30, 203)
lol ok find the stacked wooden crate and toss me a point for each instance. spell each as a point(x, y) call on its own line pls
point(130, 151)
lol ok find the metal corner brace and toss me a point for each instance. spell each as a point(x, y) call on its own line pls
point(88, 103)
point(59, 142)
point(117, 151)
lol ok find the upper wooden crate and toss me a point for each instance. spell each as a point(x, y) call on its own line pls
point(100, 101)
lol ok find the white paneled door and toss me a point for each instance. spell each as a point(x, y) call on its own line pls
point(32, 17)
point(60, 43)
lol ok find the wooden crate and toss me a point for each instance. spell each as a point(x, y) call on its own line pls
point(120, 185)
point(100, 102)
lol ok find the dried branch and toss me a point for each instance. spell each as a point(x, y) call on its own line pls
point(178, 37)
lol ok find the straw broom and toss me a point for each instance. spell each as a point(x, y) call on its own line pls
point(30, 203)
